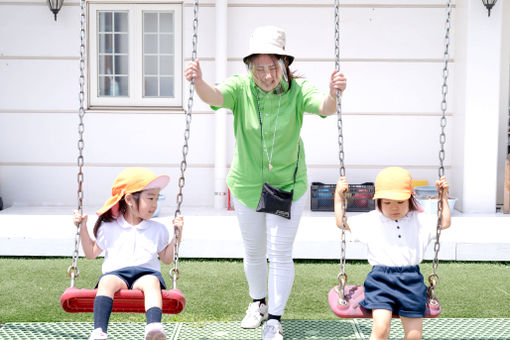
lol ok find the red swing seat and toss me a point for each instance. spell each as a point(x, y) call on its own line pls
point(353, 310)
point(76, 300)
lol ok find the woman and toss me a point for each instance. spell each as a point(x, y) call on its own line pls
point(268, 105)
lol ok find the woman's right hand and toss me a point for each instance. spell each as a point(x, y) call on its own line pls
point(193, 70)
point(78, 218)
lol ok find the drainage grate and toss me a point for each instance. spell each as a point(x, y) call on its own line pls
point(433, 329)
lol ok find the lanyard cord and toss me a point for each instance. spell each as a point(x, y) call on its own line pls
point(269, 157)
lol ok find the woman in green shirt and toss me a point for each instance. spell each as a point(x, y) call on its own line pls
point(268, 105)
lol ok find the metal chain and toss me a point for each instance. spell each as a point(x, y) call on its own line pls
point(174, 272)
point(73, 270)
point(434, 277)
point(342, 276)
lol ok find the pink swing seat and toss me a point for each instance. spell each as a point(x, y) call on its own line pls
point(353, 310)
point(76, 300)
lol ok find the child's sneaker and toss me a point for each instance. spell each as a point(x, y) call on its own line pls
point(155, 331)
point(272, 330)
point(98, 334)
point(255, 314)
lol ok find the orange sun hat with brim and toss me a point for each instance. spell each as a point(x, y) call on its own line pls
point(129, 181)
point(393, 183)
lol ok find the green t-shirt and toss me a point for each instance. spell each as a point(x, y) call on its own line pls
point(250, 165)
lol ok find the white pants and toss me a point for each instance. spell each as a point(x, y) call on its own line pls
point(267, 236)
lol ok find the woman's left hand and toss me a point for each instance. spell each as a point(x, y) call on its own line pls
point(337, 82)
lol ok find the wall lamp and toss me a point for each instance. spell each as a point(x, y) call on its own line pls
point(55, 6)
point(489, 4)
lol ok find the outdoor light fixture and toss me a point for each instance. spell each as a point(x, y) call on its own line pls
point(55, 6)
point(489, 4)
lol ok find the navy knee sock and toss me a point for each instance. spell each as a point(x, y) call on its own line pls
point(153, 314)
point(102, 309)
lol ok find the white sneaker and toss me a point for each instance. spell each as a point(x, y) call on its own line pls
point(155, 331)
point(272, 330)
point(98, 334)
point(255, 314)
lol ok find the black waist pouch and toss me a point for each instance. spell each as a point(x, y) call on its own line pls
point(275, 201)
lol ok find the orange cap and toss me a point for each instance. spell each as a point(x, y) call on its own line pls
point(129, 181)
point(393, 183)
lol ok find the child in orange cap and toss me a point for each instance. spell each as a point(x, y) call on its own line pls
point(131, 242)
point(397, 235)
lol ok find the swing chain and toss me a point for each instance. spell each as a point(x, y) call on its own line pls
point(174, 272)
point(434, 277)
point(444, 90)
point(73, 270)
point(338, 92)
point(342, 276)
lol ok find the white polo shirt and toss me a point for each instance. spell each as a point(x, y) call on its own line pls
point(394, 243)
point(125, 245)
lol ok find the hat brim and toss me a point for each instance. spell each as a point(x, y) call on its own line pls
point(391, 195)
point(290, 57)
point(159, 182)
point(112, 202)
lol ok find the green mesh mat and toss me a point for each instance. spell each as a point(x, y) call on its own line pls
point(293, 329)
point(433, 329)
point(447, 329)
point(75, 330)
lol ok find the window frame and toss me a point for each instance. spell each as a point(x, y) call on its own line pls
point(136, 58)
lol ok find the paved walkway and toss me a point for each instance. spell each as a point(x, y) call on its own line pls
point(433, 329)
point(211, 233)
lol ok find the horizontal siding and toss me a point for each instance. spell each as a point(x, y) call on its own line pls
point(391, 52)
point(373, 141)
point(157, 139)
point(39, 84)
point(109, 138)
point(375, 87)
point(364, 32)
point(32, 31)
point(57, 185)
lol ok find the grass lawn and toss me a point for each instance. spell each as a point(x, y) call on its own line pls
point(216, 290)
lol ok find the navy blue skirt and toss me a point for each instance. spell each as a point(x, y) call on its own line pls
point(398, 289)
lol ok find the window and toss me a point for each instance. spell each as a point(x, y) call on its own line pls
point(135, 55)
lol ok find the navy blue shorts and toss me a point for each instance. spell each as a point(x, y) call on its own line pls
point(130, 274)
point(399, 289)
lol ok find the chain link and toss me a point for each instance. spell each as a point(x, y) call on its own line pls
point(73, 270)
point(174, 272)
point(342, 276)
point(434, 277)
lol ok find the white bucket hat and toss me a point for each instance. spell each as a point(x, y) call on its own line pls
point(267, 40)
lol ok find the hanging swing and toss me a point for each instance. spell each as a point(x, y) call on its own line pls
point(345, 300)
point(75, 300)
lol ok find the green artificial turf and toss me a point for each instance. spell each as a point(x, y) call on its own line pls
point(216, 290)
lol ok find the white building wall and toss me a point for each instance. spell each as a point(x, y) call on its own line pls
point(391, 53)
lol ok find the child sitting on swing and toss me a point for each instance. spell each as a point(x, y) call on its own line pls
point(397, 234)
point(131, 242)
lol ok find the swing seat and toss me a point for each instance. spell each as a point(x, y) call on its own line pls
point(76, 300)
point(353, 310)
